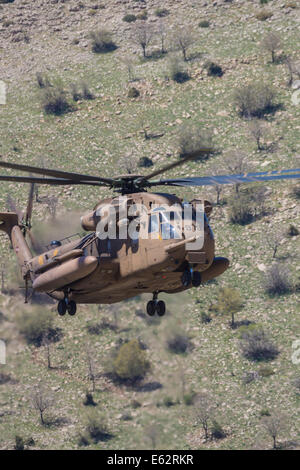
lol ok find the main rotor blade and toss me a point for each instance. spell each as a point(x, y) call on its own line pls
point(230, 179)
point(50, 181)
point(188, 157)
point(55, 173)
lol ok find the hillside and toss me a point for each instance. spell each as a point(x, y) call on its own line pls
point(103, 136)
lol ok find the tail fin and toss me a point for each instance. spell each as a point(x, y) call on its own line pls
point(9, 224)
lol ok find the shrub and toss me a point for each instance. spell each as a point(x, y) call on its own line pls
point(241, 210)
point(19, 443)
point(213, 70)
point(178, 72)
point(292, 231)
point(145, 162)
point(102, 41)
point(255, 100)
point(131, 362)
point(192, 138)
point(205, 318)
point(217, 431)
point(96, 428)
point(142, 16)
point(161, 12)
point(177, 342)
point(229, 302)
point(266, 371)
point(168, 401)
point(42, 80)
point(277, 280)
point(265, 412)
point(296, 383)
point(89, 400)
point(263, 15)
point(35, 325)
point(296, 192)
point(256, 345)
point(204, 24)
point(133, 93)
point(129, 18)
point(4, 378)
point(54, 101)
point(135, 404)
point(189, 398)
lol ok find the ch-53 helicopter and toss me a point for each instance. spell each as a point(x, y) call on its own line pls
point(93, 270)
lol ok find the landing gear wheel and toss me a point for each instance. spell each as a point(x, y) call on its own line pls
point(61, 308)
point(71, 307)
point(196, 279)
point(151, 308)
point(160, 308)
point(186, 278)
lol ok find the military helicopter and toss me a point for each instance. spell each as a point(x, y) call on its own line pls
point(92, 270)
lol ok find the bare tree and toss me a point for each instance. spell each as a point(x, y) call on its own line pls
point(143, 35)
point(274, 238)
point(293, 69)
point(42, 401)
point(274, 425)
point(205, 410)
point(182, 40)
point(128, 163)
point(91, 367)
point(257, 131)
point(236, 163)
point(271, 43)
point(129, 64)
point(162, 34)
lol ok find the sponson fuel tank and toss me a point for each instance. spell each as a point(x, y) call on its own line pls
point(65, 274)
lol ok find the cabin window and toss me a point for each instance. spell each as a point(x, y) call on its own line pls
point(153, 223)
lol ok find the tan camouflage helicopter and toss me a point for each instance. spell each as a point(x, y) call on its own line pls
point(95, 270)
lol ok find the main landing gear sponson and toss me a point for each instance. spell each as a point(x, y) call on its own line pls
point(156, 306)
point(66, 305)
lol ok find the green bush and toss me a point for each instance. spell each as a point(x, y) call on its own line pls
point(131, 362)
point(192, 138)
point(168, 401)
point(96, 428)
point(204, 24)
point(102, 41)
point(42, 80)
point(37, 324)
point(263, 15)
point(145, 162)
point(217, 431)
point(178, 72)
point(255, 100)
point(205, 318)
point(266, 371)
point(241, 210)
point(133, 93)
point(189, 398)
point(213, 70)
point(292, 231)
point(161, 12)
point(142, 16)
point(54, 101)
point(129, 18)
point(265, 412)
point(19, 443)
point(177, 342)
point(4, 378)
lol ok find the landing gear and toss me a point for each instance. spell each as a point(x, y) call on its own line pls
point(196, 279)
point(156, 306)
point(186, 278)
point(65, 306)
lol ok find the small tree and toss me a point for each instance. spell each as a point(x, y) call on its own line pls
point(47, 345)
point(204, 411)
point(192, 138)
point(42, 401)
point(131, 362)
point(182, 40)
point(143, 34)
point(271, 43)
point(236, 163)
point(229, 302)
point(162, 35)
point(274, 425)
point(90, 356)
point(274, 238)
point(256, 131)
point(102, 41)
